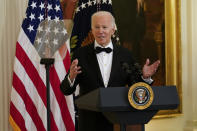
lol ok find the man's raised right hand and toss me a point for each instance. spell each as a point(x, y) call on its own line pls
point(74, 70)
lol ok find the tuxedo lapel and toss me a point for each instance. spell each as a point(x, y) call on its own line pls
point(92, 59)
point(115, 64)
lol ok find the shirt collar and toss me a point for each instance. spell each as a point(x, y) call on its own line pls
point(108, 45)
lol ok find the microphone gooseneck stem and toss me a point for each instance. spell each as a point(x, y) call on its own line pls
point(48, 62)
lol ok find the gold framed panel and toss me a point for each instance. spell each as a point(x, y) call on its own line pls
point(173, 53)
point(155, 35)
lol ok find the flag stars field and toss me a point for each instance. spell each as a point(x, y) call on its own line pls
point(91, 3)
point(41, 17)
point(41, 6)
point(104, 1)
point(77, 10)
point(57, 8)
point(30, 28)
point(33, 5)
point(49, 7)
point(32, 16)
point(94, 2)
point(83, 5)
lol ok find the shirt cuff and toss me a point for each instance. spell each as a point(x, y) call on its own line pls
point(71, 83)
point(148, 80)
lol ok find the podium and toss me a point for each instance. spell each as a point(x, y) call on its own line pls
point(114, 104)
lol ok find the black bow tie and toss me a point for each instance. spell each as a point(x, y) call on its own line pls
point(99, 50)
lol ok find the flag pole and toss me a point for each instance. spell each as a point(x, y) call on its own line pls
point(47, 62)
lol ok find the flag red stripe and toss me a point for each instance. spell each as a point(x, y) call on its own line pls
point(67, 61)
point(30, 107)
point(34, 76)
point(17, 117)
point(55, 82)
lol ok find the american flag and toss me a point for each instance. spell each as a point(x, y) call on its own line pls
point(28, 96)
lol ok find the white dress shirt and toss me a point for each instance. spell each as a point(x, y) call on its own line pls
point(105, 62)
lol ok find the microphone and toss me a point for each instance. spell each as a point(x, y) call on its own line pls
point(133, 70)
point(126, 67)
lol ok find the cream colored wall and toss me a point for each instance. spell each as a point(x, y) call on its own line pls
point(11, 14)
point(187, 121)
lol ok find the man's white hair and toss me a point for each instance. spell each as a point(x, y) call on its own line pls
point(102, 13)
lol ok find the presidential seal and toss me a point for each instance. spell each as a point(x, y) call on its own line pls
point(140, 95)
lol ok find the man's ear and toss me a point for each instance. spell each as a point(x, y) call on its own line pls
point(113, 30)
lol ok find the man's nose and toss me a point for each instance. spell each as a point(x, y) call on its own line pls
point(100, 30)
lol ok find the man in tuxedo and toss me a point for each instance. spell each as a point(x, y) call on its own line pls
point(102, 65)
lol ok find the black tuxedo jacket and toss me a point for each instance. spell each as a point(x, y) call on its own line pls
point(91, 78)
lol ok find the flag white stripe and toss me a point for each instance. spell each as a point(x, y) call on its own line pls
point(31, 90)
point(20, 106)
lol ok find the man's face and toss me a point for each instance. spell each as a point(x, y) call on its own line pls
point(102, 29)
